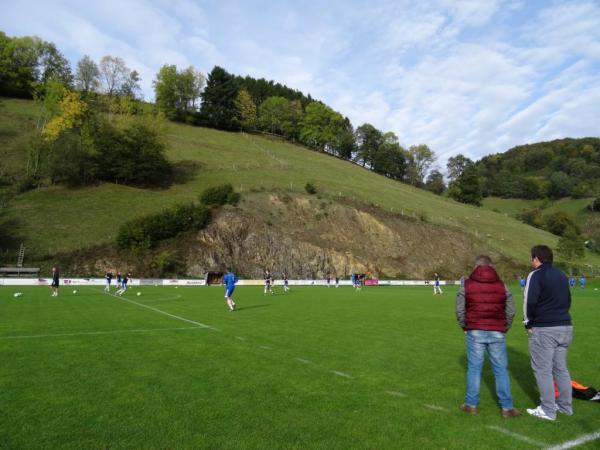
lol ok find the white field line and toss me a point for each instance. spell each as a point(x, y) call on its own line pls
point(435, 407)
point(575, 442)
point(240, 338)
point(396, 393)
point(518, 436)
point(98, 333)
point(303, 361)
point(265, 347)
point(341, 374)
point(160, 311)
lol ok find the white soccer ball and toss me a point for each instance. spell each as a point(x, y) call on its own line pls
point(17, 294)
point(139, 293)
point(74, 291)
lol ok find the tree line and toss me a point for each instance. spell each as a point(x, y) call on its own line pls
point(218, 100)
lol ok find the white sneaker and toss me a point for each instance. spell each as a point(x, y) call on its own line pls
point(539, 413)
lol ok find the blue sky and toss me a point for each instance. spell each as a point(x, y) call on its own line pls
point(463, 76)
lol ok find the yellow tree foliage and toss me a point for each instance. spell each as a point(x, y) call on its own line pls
point(246, 109)
point(72, 109)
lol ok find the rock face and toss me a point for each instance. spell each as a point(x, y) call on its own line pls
point(304, 237)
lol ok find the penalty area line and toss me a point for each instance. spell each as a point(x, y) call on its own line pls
point(435, 407)
point(517, 436)
point(98, 333)
point(160, 311)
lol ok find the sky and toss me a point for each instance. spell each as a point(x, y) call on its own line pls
point(463, 76)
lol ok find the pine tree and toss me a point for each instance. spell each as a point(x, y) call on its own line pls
point(219, 100)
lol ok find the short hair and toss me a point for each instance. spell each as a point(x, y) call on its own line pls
point(543, 253)
point(483, 260)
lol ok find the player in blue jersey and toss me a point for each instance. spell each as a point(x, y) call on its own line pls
point(522, 282)
point(582, 282)
point(337, 281)
point(436, 285)
point(571, 282)
point(229, 281)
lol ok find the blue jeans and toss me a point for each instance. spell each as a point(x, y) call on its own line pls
point(494, 342)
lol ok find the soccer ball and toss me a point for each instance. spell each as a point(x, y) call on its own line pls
point(139, 293)
point(17, 294)
point(75, 291)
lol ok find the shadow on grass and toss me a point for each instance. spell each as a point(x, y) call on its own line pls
point(519, 370)
point(253, 306)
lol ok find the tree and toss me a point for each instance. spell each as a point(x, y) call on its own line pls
point(467, 187)
point(322, 128)
point(274, 115)
point(292, 126)
point(113, 73)
point(218, 108)
point(571, 246)
point(246, 110)
point(560, 185)
point(131, 86)
point(368, 140)
point(420, 158)
point(560, 223)
point(177, 93)
point(87, 76)
point(456, 165)
point(435, 182)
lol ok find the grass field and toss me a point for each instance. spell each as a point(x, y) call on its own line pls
point(316, 368)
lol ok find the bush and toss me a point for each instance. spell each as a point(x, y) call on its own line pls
point(310, 188)
point(147, 231)
point(532, 217)
point(595, 205)
point(220, 195)
point(560, 223)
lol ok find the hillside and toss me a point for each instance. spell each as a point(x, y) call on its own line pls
point(57, 220)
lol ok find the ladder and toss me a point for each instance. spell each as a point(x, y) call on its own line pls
point(21, 256)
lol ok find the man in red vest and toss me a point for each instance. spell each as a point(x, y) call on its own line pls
point(485, 310)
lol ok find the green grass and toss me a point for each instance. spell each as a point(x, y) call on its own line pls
point(65, 219)
point(243, 386)
point(575, 207)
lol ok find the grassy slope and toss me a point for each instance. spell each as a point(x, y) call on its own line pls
point(243, 386)
point(58, 218)
point(576, 208)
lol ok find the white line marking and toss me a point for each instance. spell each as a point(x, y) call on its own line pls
point(396, 393)
point(240, 338)
point(575, 442)
point(518, 436)
point(265, 347)
point(435, 407)
point(303, 361)
point(341, 374)
point(99, 333)
point(203, 325)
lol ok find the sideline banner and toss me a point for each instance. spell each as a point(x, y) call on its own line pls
point(198, 282)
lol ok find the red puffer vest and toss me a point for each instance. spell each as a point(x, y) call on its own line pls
point(485, 300)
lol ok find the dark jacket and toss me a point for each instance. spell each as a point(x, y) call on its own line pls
point(484, 303)
point(547, 298)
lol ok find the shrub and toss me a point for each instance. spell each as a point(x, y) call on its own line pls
point(220, 195)
point(560, 223)
point(595, 205)
point(147, 231)
point(310, 188)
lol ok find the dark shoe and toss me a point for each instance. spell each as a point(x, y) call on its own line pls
point(469, 409)
point(511, 413)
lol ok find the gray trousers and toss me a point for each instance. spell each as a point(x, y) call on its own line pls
point(548, 349)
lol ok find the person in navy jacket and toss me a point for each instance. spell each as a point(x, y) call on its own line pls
point(547, 300)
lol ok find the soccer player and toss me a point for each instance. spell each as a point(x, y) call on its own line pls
point(522, 282)
point(328, 280)
point(268, 280)
point(108, 277)
point(572, 282)
point(126, 278)
point(55, 281)
point(286, 286)
point(119, 280)
point(582, 282)
point(436, 285)
point(229, 281)
point(337, 282)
